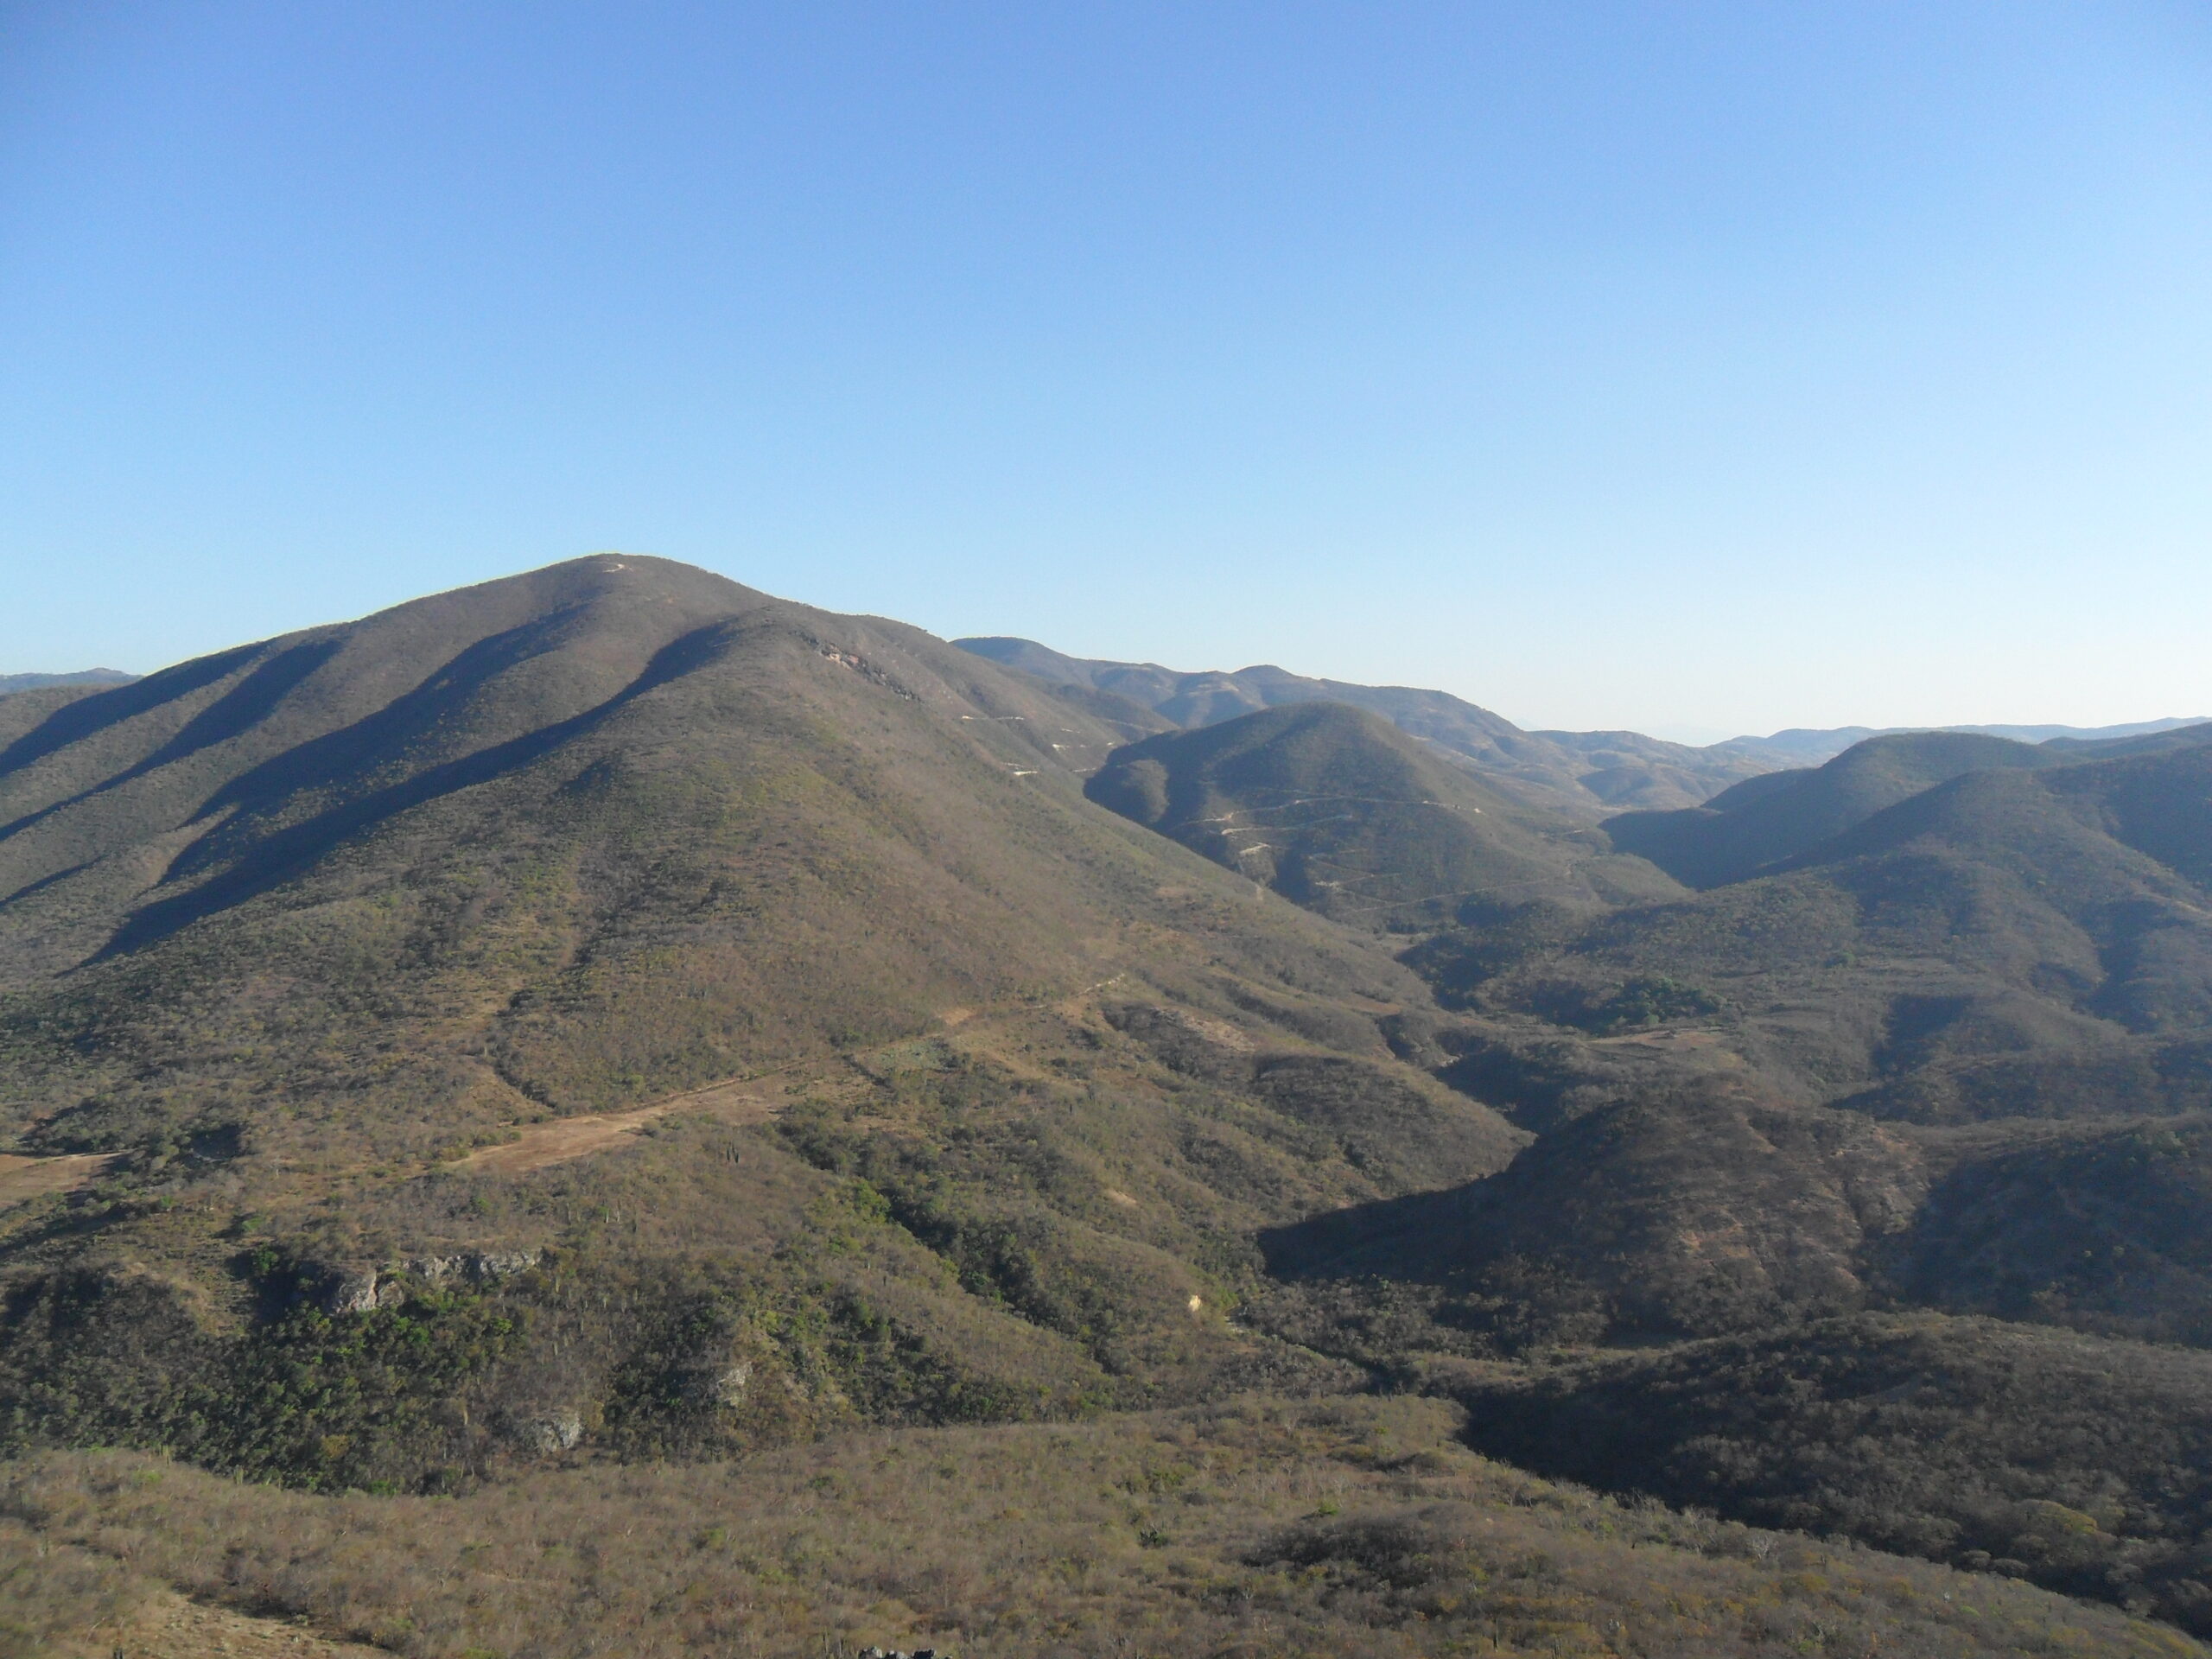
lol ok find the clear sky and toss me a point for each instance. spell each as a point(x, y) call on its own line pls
point(1695, 367)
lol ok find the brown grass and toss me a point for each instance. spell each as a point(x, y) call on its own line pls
point(22, 1177)
point(60, 1601)
point(168, 1626)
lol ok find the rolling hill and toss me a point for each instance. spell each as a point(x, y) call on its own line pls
point(2031, 940)
point(1585, 774)
point(1783, 814)
point(1801, 746)
point(1788, 815)
point(1339, 811)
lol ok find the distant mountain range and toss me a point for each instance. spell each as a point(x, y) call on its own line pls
point(1586, 773)
point(84, 677)
point(1807, 746)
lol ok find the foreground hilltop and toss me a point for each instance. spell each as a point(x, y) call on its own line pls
point(497, 826)
point(313, 947)
point(1308, 1529)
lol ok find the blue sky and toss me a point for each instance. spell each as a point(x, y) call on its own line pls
point(1699, 368)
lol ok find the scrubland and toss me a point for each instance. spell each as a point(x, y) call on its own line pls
point(1256, 1526)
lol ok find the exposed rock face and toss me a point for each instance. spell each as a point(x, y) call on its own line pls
point(476, 1267)
point(731, 1382)
point(352, 1292)
point(363, 1290)
point(560, 1431)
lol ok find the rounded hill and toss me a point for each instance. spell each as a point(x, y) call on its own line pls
point(1336, 808)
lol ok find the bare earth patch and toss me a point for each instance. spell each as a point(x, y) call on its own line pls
point(22, 1177)
point(558, 1139)
point(173, 1627)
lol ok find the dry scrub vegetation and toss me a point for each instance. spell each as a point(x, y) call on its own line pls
point(57, 1599)
point(1258, 1528)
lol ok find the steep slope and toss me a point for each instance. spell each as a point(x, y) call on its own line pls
point(535, 800)
point(1339, 811)
point(288, 929)
point(1583, 774)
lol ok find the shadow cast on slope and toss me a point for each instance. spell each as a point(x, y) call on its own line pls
point(1409, 1239)
point(237, 711)
point(276, 857)
point(74, 721)
point(352, 752)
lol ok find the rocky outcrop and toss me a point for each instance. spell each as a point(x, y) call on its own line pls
point(353, 1291)
point(473, 1267)
point(730, 1382)
point(559, 1431)
point(363, 1290)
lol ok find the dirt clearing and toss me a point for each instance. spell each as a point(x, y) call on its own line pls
point(22, 1177)
point(174, 1627)
point(558, 1139)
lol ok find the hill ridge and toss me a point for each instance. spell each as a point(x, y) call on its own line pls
point(1585, 774)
